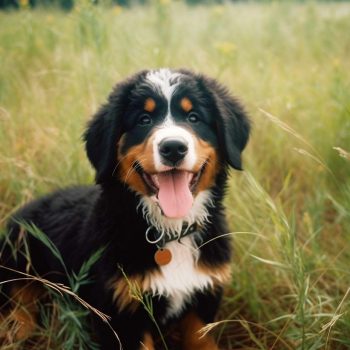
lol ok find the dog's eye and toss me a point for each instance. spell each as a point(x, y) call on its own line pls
point(193, 117)
point(145, 119)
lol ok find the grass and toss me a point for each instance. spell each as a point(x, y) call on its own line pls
point(64, 315)
point(289, 211)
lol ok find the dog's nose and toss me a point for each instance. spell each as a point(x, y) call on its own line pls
point(173, 150)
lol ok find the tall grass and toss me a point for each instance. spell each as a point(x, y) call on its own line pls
point(63, 314)
point(289, 211)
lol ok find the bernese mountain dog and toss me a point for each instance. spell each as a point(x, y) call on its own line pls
point(162, 146)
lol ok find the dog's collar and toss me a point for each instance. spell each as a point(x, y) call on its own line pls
point(153, 236)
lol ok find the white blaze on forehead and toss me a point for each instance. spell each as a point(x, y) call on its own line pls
point(164, 81)
point(170, 130)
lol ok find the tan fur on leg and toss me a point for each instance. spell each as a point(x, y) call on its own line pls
point(191, 339)
point(147, 342)
point(25, 310)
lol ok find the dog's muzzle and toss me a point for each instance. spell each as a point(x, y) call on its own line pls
point(172, 150)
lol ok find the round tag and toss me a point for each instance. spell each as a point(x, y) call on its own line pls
point(162, 257)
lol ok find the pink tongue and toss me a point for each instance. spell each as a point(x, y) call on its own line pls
point(175, 197)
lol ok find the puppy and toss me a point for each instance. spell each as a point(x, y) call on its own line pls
point(161, 146)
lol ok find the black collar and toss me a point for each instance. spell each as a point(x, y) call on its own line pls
point(153, 236)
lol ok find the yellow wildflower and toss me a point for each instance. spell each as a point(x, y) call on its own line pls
point(226, 48)
point(218, 10)
point(23, 3)
point(117, 10)
point(49, 19)
point(164, 2)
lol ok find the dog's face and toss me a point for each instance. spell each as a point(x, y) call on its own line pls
point(167, 134)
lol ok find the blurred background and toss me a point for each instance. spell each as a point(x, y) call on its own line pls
point(289, 211)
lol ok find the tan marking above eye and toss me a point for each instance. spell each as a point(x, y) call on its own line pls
point(186, 104)
point(150, 105)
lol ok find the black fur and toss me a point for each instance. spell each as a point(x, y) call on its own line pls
point(233, 126)
point(105, 129)
point(80, 220)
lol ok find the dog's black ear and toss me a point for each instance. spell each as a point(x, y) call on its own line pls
point(105, 129)
point(232, 122)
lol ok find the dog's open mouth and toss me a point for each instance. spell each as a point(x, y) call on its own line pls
point(173, 190)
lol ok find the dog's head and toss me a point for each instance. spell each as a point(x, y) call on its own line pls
point(167, 134)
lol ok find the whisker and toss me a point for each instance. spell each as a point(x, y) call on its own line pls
point(134, 165)
point(131, 170)
point(118, 163)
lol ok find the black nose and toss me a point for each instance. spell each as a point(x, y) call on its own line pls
point(173, 150)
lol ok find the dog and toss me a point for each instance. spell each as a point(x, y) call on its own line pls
point(162, 146)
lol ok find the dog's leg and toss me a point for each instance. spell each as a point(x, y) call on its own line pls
point(24, 300)
point(191, 338)
point(129, 339)
point(195, 319)
point(129, 330)
point(147, 342)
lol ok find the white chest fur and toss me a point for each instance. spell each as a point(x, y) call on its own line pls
point(179, 279)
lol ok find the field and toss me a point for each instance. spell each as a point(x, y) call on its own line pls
point(289, 210)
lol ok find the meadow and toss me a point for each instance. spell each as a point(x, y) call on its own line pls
point(289, 211)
